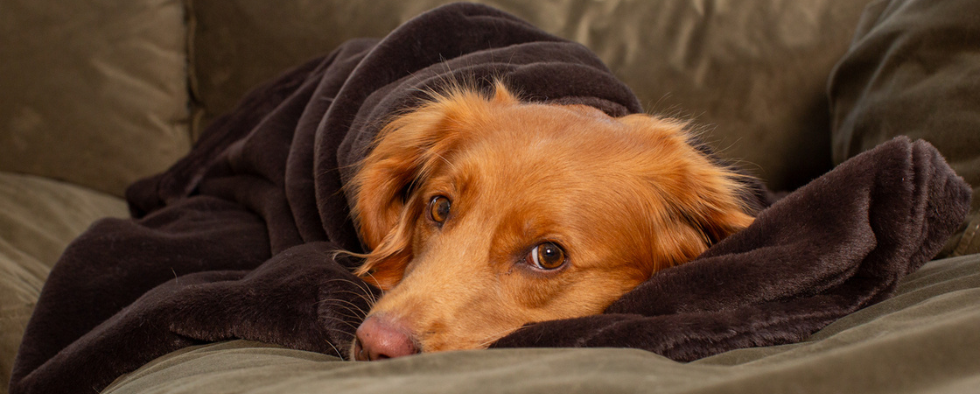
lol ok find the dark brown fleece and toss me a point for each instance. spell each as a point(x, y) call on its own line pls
point(236, 240)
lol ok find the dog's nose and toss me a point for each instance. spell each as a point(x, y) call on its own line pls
point(379, 338)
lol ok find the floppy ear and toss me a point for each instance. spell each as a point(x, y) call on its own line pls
point(406, 152)
point(383, 190)
point(707, 195)
point(718, 211)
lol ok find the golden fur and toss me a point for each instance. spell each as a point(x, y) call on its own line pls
point(622, 197)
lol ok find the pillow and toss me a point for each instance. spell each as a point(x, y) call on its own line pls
point(753, 74)
point(93, 93)
point(914, 69)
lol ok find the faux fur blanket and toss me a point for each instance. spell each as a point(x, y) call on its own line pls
point(237, 239)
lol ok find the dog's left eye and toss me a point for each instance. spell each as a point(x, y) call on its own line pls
point(546, 256)
point(439, 208)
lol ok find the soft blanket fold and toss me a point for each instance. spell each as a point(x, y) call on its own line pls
point(237, 239)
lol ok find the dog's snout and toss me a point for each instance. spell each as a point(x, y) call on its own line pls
point(379, 338)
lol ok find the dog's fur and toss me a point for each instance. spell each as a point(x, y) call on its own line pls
point(622, 197)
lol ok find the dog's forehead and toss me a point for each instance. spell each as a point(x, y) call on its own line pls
point(553, 155)
point(550, 152)
point(559, 182)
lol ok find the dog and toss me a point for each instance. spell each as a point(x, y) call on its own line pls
point(483, 213)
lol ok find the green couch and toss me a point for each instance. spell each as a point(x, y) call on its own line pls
point(97, 95)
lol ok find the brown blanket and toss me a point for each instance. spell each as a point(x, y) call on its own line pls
point(236, 240)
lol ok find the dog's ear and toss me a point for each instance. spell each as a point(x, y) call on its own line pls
point(406, 152)
point(696, 188)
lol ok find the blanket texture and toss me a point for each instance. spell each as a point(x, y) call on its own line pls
point(237, 239)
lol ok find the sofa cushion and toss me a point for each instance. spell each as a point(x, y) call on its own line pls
point(38, 218)
point(914, 70)
point(923, 340)
point(94, 93)
point(753, 73)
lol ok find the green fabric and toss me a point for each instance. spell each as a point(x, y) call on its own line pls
point(93, 92)
point(752, 74)
point(923, 340)
point(914, 69)
point(38, 218)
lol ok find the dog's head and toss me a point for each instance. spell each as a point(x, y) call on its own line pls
point(484, 213)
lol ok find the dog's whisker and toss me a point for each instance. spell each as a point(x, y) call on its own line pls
point(356, 312)
point(368, 298)
point(348, 302)
point(340, 331)
point(352, 326)
point(335, 349)
point(350, 318)
point(367, 295)
point(375, 298)
point(360, 286)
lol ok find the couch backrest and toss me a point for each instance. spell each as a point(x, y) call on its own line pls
point(752, 73)
point(94, 93)
point(97, 94)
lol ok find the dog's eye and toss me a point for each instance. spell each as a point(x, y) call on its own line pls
point(439, 209)
point(546, 256)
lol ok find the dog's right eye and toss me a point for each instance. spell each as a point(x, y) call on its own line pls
point(546, 256)
point(439, 208)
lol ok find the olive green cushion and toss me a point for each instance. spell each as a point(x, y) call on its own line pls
point(914, 69)
point(94, 93)
point(923, 340)
point(38, 218)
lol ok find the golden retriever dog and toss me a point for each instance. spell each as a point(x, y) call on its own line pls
point(483, 213)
